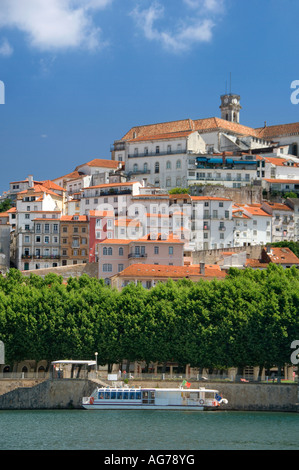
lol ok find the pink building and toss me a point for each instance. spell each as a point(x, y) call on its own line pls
point(116, 255)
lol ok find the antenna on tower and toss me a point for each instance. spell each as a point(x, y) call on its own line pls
point(230, 83)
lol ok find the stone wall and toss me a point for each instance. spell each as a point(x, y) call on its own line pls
point(214, 256)
point(74, 270)
point(68, 393)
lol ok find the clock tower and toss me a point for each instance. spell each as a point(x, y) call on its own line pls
point(230, 107)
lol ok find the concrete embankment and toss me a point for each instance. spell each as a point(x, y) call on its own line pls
point(68, 393)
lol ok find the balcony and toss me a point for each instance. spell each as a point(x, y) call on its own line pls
point(137, 255)
point(154, 154)
point(46, 256)
point(26, 256)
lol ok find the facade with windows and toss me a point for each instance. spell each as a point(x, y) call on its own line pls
point(74, 235)
point(116, 255)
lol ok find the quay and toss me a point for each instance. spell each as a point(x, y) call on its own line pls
point(53, 393)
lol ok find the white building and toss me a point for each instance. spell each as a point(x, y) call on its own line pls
point(283, 222)
point(252, 225)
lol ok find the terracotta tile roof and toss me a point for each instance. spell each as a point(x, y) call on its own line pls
point(208, 198)
point(123, 222)
point(72, 175)
point(38, 188)
point(281, 181)
point(115, 241)
point(255, 263)
point(279, 161)
point(165, 271)
point(74, 218)
point(51, 185)
point(270, 132)
point(277, 206)
point(254, 210)
point(186, 126)
point(281, 255)
point(102, 163)
point(167, 135)
point(95, 213)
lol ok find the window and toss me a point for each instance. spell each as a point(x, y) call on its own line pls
point(64, 229)
point(27, 216)
point(120, 267)
point(156, 250)
point(170, 250)
point(84, 241)
point(145, 167)
point(168, 165)
point(47, 239)
point(168, 148)
point(109, 251)
point(157, 167)
point(157, 149)
point(107, 268)
point(120, 251)
point(178, 164)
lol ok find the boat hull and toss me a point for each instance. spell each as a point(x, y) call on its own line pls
point(96, 406)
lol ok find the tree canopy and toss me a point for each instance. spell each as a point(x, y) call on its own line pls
point(248, 319)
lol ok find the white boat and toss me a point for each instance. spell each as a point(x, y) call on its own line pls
point(125, 398)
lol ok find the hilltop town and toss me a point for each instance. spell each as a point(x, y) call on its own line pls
point(182, 199)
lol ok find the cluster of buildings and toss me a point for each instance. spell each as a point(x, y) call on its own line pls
point(129, 215)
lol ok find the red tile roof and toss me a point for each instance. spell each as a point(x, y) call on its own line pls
point(280, 255)
point(102, 163)
point(165, 271)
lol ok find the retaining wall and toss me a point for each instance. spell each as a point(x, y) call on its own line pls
point(68, 393)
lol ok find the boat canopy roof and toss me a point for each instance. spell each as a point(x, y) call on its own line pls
point(89, 363)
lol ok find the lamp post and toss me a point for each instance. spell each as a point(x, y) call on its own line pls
point(96, 355)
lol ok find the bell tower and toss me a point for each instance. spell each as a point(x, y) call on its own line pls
point(230, 107)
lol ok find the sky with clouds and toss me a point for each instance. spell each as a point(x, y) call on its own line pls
point(78, 74)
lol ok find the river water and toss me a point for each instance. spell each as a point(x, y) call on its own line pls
point(147, 430)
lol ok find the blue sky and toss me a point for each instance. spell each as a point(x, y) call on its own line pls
point(79, 74)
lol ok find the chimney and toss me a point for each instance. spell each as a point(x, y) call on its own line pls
point(268, 249)
point(202, 268)
point(30, 181)
point(223, 158)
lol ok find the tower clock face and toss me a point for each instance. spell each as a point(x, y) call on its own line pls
point(235, 101)
point(225, 100)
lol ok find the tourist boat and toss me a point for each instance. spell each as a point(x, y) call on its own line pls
point(125, 398)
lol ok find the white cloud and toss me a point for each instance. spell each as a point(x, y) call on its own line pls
point(6, 49)
point(187, 31)
point(55, 24)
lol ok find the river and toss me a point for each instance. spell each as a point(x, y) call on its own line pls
point(147, 430)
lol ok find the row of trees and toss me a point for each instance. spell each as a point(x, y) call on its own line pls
point(248, 319)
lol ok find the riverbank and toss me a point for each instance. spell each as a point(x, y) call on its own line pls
point(68, 393)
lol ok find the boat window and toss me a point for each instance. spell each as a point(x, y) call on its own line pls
point(101, 395)
point(138, 395)
point(119, 395)
point(113, 395)
point(132, 395)
point(107, 395)
point(126, 395)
